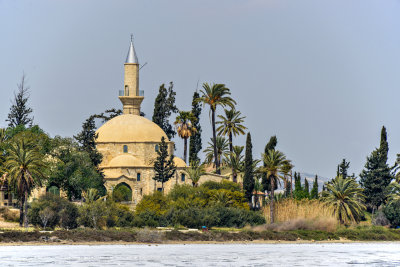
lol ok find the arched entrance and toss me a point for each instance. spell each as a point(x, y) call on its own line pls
point(122, 192)
point(53, 190)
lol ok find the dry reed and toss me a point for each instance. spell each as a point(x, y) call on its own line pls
point(293, 214)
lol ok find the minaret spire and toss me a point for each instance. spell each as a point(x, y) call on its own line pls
point(130, 95)
point(132, 57)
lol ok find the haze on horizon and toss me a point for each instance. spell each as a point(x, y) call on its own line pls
point(321, 75)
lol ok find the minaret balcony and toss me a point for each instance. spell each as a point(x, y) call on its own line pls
point(122, 93)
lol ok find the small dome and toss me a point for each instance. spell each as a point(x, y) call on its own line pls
point(129, 128)
point(122, 161)
point(179, 162)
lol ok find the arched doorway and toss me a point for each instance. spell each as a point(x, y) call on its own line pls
point(122, 193)
point(53, 190)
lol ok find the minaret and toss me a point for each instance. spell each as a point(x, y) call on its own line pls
point(130, 97)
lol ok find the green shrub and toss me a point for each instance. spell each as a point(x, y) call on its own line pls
point(122, 193)
point(155, 202)
point(99, 214)
point(225, 184)
point(8, 215)
point(50, 211)
point(392, 213)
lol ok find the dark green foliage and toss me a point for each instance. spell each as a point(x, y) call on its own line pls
point(51, 211)
point(108, 114)
point(213, 216)
point(42, 139)
point(211, 204)
point(342, 168)
point(100, 214)
point(287, 189)
point(266, 183)
point(122, 193)
point(20, 113)
point(164, 106)
point(195, 144)
point(227, 185)
point(87, 140)
point(164, 168)
point(306, 188)
point(376, 175)
point(298, 192)
point(73, 170)
point(314, 190)
point(248, 177)
point(392, 213)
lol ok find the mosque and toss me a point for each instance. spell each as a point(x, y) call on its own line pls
point(129, 143)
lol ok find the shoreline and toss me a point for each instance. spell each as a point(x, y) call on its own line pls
point(101, 243)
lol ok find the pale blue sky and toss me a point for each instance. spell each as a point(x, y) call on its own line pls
point(321, 75)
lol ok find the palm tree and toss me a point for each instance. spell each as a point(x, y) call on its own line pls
point(195, 171)
point(235, 161)
point(185, 128)
point(394, 195)
point(222, 150)
point(344, 196)
point(274, 161)
point(215, 95)
point(230, 125)
point(24, 165)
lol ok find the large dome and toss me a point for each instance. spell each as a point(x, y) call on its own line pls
point(129, 128)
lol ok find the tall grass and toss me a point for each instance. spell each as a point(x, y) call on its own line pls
point(293, 214)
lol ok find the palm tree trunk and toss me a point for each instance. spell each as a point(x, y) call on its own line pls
point(234, 175)
point(291, 185)
point(26, 210)
point(272, 199)
point(185, 149)
point(285, 184)
point(21, 211)
point(216, 160)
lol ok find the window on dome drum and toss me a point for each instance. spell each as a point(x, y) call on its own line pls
point(183, 177)
point(156, 148)
point(138, 177)
point(125, 149)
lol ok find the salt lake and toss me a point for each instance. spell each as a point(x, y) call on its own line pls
point(314, 254)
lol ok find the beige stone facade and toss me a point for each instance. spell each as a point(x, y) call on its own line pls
point(129, 144)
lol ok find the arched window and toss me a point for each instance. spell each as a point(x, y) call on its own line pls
point(125, 149)
point(183, 177)
point(138, 177)
point(156, 148)
point(126, 90)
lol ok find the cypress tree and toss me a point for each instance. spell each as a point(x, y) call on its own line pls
point(306, 189)
point(314, 190)
point(195, 144)
point(164, 106)
point(376, 175)
point(266, 183)
point(87, 140)
point(19, 114)
point(164, 168)
point(298, 192)
point(287, 189)
point(248, 178)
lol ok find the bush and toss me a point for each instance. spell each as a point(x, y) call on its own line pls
point(392, 213)
point(100, 214)
point(9, 215)
point(155, 202)
point(122, 193)
point(225, 184)
point(50, 211)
